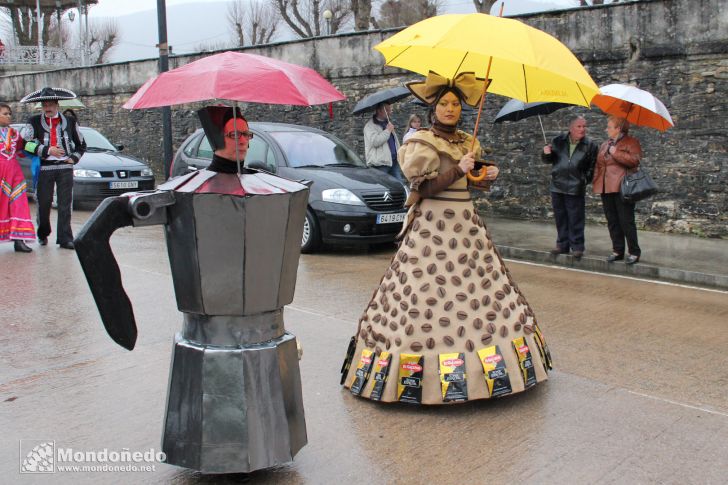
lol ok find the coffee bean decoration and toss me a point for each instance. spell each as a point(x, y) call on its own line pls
point(381, 338)
point(444, 321)
point(488, 258)
point(466, 273)
point(474, 304)
point(416, 346)
point(425, 287)
point(522, 318)
point(428, 215)
point(404, 257)
point(512, 306)
point(490, 244)
point(431, 301)
point(403, 278)
point(489, 268)
point(478, 324)
point(397, 341)
point(393, 325)
point(527, 329)
point(466, 242)
point(403, 305)
point(373, 305)
point(503, 331)
point(448, 306)
point(391, 286)
point(431, 268)
point(441, 254)
point(486, 339)
point(430, 342)
point(471, 263)
point(455, 280)
point(506, 288)
point(413, 298)
point(418, 212)
point(449, 213)
point(363, 334)
point(395, 265)
point(413, 259)
point(416, 226)
point(406, 290)
point(485, 301)
point(469, 345)
point(440, 280)
point(462, 258)
point(426, 251)
point(499, 295)
point(388, 344)
point(441, 292)
point(481, 271)
point(471, 288)
point(485, 283)
point(426, 327)
point(402, 320)
point(396, 296)
point(453, 243)
point(461, 331)
point(490, 327)
point(369, 344)
point(411, 243)
point(382, 287)
point(516, 326)
point(491, 315)
point(457, 227)
point(436, 240)
point(497, 306)
point(413, 313)
point(466, 214)
point(394, 311)
point(506, 312)
point(462, 315)
point(377, 350)
point(440, 225)
point(409, 329)
point(475, 219)
point(495, 276)
point(428, 314)
point(449, 266)
point(377, 317)
point(473, 231)
point(385, 307)
point(385, 320)
point(449, 341)
point(460, 296)
point(425, 233)
point(417, 273)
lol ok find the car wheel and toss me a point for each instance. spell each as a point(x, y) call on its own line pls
point(311, 238)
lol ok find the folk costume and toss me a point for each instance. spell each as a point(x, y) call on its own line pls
point(15, 223)
point(447, 323)
point(41, 134)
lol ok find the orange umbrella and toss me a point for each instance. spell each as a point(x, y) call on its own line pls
point(635, 105)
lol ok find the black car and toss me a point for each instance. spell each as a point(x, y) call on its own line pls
point(349, 203)
point(102, 171)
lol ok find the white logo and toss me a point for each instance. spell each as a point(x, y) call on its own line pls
point(122, 174)
point(40, 459)
point(387, 197)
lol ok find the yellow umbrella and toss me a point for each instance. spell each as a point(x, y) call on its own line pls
point(527, 63)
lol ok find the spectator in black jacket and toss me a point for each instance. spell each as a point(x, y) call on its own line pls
point(573, 156)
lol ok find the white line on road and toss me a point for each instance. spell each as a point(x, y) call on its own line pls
point(646, 280)
point(670, 401)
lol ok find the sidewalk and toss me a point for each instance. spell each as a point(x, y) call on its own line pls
point(674, 257)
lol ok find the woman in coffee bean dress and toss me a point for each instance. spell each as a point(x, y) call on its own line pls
point(447, 323)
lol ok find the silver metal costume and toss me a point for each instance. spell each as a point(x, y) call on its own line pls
point(234, 400)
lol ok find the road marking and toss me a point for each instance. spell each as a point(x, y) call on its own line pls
point(646, 280)
point(670, 401)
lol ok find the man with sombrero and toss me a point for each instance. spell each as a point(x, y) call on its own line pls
point(57, 141)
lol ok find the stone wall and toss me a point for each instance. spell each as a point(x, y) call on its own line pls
point(675, 49)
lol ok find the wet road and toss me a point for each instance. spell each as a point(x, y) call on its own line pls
point(638, 394)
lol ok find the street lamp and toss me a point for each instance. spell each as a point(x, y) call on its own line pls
point(327, 16)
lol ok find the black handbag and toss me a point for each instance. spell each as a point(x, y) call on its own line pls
point(636, 186)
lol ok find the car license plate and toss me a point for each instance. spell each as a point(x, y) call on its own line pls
point(124, 185)
point(390, 218)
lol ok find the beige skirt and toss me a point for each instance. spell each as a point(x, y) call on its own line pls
point(447, 323)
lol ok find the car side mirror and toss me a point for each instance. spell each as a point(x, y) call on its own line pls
point(119, 147)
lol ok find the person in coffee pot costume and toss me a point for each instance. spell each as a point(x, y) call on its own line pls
point(447, 299)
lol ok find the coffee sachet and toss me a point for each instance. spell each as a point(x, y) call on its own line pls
point(496, 374)
point(409, 385)
point(381, 371)
point(453, 379)
point(362, 371)
point(525, 361)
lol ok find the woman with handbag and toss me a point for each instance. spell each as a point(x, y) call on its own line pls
point(618, 155)
point(446, 306)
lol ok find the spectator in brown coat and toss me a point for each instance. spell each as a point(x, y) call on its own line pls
point(616, 156)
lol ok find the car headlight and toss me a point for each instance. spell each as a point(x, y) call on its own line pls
point(83, 173)
point(340, 196)
point(147, 172)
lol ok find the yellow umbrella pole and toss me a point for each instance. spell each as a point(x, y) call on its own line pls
point(483, 171)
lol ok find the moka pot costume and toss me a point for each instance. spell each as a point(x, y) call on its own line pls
point(447, 322)
point(234, 402)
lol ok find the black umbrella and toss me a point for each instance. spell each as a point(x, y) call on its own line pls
point(515, 110)
point(390, 96)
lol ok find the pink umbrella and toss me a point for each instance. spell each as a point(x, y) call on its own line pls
point(235, 76)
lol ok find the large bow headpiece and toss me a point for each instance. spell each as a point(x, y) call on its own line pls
point(428, 91)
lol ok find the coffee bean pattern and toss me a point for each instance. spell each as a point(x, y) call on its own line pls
point(446, 290)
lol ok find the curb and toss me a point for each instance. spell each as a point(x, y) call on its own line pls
point(639, 270)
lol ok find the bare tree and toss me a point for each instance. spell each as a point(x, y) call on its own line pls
point(255, 24)
point(483, 6)
point(23, 27)
point(103, 36)
point(396, 13)
point(362, 11)
point(305, 17)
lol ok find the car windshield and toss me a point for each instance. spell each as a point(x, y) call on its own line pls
point(308, 149)
point(96, 140)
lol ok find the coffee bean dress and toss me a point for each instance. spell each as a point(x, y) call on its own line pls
point(447, 290)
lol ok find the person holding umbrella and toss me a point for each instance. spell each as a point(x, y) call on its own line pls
point(618, 154)
point(58, 142)
point(381, 142)
point(572, 156)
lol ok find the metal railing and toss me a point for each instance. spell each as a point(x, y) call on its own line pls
point(52, 56)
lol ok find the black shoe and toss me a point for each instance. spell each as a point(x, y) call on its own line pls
point(43, 241)
point(67, 245)
point(631, 259)
point(21, 247)
point(557, 250)
point(614, 257)
point(578, 254)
